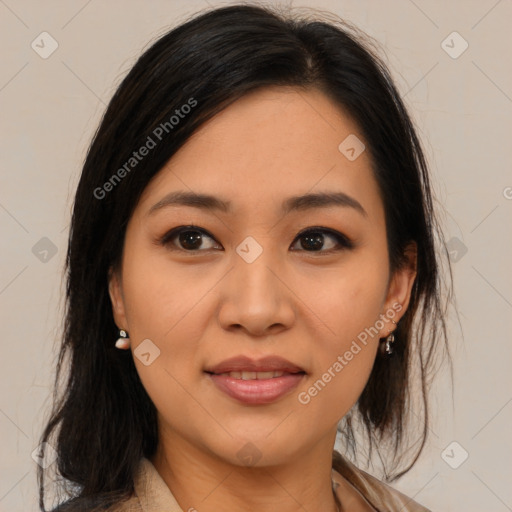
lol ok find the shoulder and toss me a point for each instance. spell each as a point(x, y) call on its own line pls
point(100, 503)
point(379, 494)
point(89, 505)
point(150, 494)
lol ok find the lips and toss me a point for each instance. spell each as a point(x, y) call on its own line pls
point(256, 382)
point(246, 364)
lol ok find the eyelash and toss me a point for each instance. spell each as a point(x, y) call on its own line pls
point(343, 241)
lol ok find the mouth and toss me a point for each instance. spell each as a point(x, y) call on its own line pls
point(254, 382)
point(250, 375)
point(243, 367)
point(256, 388)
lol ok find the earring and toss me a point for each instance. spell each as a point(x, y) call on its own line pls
point(388, 349)
point(123, 341)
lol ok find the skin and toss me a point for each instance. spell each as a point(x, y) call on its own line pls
point(201, 307)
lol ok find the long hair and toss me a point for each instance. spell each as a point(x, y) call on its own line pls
point(103, 422)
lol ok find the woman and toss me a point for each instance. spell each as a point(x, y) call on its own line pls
point(254, 225)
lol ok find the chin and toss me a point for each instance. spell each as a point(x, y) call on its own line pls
point(259, 451)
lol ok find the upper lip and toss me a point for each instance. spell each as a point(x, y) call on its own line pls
point(244, 363)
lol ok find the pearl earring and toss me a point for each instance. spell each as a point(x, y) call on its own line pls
point(123, 341)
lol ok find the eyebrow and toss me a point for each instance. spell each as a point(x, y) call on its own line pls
point(296, 203)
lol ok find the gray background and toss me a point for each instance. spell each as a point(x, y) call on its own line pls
point(462, 105)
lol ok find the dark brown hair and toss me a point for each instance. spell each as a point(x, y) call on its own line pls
point(104, 421)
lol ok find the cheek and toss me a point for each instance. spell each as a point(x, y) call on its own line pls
point(164, 307)
point(349, 306)
point(171, 307)
point(343, 362)
point(158, 294)
point(351, 299)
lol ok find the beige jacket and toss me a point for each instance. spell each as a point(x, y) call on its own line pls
point(153, 495)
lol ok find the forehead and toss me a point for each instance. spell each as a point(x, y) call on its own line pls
point(271, 143)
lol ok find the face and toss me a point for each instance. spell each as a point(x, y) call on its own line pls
point(264, 276)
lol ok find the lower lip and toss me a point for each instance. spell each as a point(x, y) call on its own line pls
point(257, 391)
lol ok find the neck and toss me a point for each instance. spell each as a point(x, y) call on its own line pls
point(202, 481)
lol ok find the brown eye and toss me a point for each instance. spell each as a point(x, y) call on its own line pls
point(186, 238)
point(195, 239)
point(313, 240)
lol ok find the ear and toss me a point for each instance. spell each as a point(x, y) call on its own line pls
point(400, 287)
point(115, 291)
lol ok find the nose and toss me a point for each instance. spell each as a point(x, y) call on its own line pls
point(256, 298)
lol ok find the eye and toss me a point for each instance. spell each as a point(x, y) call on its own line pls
point(313, 240)
point(189, 238)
